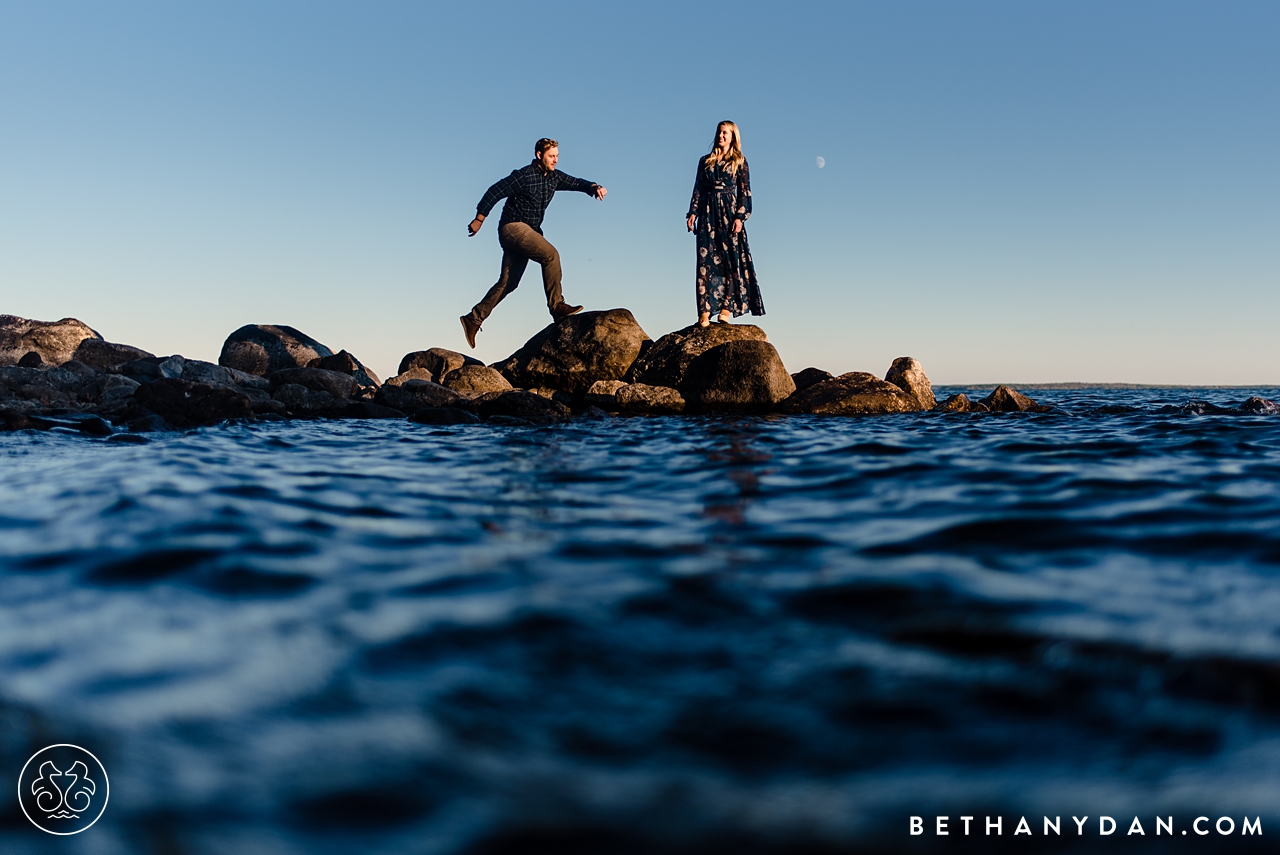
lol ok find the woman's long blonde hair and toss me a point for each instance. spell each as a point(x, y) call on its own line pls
point(734, 158)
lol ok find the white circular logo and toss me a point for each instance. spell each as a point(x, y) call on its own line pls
point(63, 789)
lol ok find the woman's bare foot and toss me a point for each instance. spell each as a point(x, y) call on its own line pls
point(704, 320)
point(725, 316)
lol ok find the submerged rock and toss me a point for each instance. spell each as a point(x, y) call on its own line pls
point(960, 404)
point(744, 376)
point(854, 394)
point(574, 352)
point(55, 342)
point(436, 361)
point(908, 375)
point(264, 348)
point(1260, 407)
point(643, 399)
point(665, 363)
point(475, 380)
point(1007, 400)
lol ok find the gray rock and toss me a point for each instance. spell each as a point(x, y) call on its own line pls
point(643, 399)
point(602, 393)
point(531, 408)
point(300, 400)
point(340, 386)
point(854, 394)
point(416, 395)
point(665, 363)
point(437, 361)
point(810, 376)
point(196, 371)
point(475, 380)
point(172, 367)
point(576, 351)
point(1007, 400)
point(107, 355)
point(110, 390)
point(54, 341)
point(345, 363)
point(908, 375)
point(743, 376)
point(443, 416)
point(412, 374)
point(1260, 407)
point(265, 348)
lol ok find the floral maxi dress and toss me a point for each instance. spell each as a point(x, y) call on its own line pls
point(726, 276)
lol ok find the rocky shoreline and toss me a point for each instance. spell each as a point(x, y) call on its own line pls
point(63, 374)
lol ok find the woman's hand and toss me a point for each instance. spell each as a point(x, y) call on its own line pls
point(692, 222)
point(737, 226)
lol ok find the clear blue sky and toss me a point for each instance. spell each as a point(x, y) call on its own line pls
point(1015, 191)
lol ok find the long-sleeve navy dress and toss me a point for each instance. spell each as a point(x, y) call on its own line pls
point(726, 276)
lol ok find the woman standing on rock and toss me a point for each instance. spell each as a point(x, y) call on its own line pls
point(718, 211)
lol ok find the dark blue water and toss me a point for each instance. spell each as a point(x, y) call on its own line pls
point(651, 634)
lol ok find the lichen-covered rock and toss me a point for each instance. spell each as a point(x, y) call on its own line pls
point(185, 405)
point(602, 394)
point(416, 395)
point(810, 376)
point(665, 363)
point(475, 380)
point(265, 348)
point(643, 399)
point(339, 385)
point(344, 363)
point(522, 405)
point(437, 361)
point(744, 376)
point(54, 341)
point(574, 352)
point(854, 394)
point(1007, 400)
point(908, 375)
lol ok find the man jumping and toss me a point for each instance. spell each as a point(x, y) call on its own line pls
point(528, 192)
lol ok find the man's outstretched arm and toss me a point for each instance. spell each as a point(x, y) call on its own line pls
point(568, 182)
point(500, 190)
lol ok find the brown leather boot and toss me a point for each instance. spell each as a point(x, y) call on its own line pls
point(469, 329)
point(564, 310)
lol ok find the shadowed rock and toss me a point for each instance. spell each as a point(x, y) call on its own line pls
point(518, 404)
point(444, 416)
point(31, 360)
point(301, 401)
point(412, 374)
point(339, 385)
point(437, 361)
point(417, 395)
point(365, 410)
point(574, 352)
point(185, 405)
point(602, 394)
point(475, 380)
point(265, 348)
point(1006, 400)
point(809, 377)
point(108, 355)
point(344, 363)
point(908, 375)
point(854, 394)
point(643, 399)
point(54, 341)
point(744, 376)
point(665, 363)
point(961, 404)
point(1260, 407)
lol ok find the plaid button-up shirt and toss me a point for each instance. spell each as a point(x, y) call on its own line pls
point(528, 192)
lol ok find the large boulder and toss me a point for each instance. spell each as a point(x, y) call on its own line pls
point(55, 341)
point(437, 361)
point(185, 405)
point(665, 363)
point(345, 363)
point(339, 385)
point(416, 395)
point(745, 376)
point(475, 380)
point(264, 348)
point(908, 375)
point(108, 355)
point(574, 352)
point(854, 394)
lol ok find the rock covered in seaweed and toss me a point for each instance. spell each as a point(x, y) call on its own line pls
point(574, 352)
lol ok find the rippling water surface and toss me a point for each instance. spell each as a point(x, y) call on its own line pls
point(768, 634)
